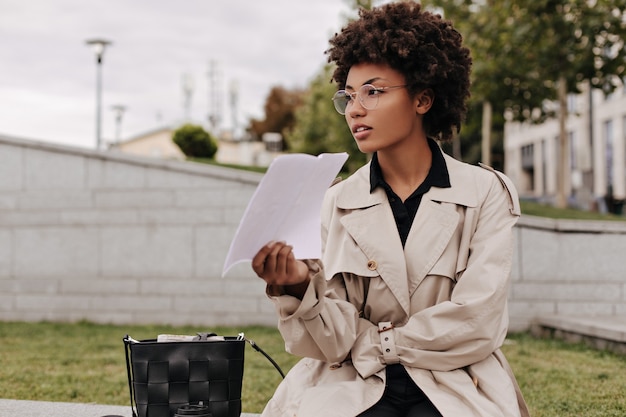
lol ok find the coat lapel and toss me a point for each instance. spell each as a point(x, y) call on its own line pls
point(374, 230)
point(372, 226)
point(430, 233)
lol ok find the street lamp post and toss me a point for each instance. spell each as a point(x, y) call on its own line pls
point(98, 46)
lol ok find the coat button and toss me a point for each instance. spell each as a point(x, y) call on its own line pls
point(334, 366)
point(372, 265)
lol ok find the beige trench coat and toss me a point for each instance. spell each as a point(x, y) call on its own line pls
point(438, 306)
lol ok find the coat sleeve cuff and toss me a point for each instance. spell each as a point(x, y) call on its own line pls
point(309, 307)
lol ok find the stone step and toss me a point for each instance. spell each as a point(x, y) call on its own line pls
point(600, 332)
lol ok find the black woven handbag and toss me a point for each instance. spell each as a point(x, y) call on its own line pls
point(164, 376)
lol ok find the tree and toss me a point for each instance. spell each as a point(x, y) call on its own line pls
point(280, 109)
point(499, 80)
point(194, 141)
point(571, 42)
point(527, 53)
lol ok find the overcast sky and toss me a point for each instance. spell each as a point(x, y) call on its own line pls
point(48, 73)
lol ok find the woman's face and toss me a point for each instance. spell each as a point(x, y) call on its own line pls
point(391, 119)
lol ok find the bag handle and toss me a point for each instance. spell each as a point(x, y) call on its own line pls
point(127, 340)
point(258, 349)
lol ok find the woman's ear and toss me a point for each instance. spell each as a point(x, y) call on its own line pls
point(424, 101)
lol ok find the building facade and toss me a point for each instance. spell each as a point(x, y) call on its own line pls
point(596, 131)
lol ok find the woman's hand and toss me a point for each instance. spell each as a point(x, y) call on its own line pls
point(276, 265)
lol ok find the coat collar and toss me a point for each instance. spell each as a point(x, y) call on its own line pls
point(463, 191)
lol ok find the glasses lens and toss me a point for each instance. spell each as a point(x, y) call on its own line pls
point(341, 99)
point(368, 95)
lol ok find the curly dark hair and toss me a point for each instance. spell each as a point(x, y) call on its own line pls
point(422, 46)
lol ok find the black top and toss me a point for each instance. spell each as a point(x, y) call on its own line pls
point(404, 212)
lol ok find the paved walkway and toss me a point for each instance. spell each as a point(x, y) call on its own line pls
point(19, 408)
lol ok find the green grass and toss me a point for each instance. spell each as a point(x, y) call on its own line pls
point(84, 362)
point(542, 210)
point(211, 161)
point(568, 380)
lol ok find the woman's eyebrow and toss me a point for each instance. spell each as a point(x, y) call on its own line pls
point(371, 80)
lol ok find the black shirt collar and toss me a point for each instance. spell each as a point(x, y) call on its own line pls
point(437, 175)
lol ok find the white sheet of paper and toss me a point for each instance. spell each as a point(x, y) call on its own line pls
point(286, 207)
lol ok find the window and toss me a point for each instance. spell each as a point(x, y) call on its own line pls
point(608, 151)
point(528, 156)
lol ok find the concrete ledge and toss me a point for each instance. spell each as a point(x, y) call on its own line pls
point(21, 408)
point(600, 332)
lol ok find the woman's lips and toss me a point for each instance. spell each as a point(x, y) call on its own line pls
point(361, 132)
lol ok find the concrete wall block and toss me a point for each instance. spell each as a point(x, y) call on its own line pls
point(518, 325)
point(620, 309)
point(206, 321)
point(99, 285)
point(151, 251)
point(134, 198)
point(179, 215)
point(266, 306)
point(585, 309)
point(522, 313)
point(30, 218)
point(231, 196)
point(57, 303)
point(239, 197)
point(591, 256)
point(6, 302)
point(159, 178)
point(241, 271)
point(531, 308)
point(7, 285)
point(249, 286)
point(99, 217)
point(27, 316)
point(35, 286)
point(55, 199)
point(111, 317)
point(233, 216)
point(11, 168)
point(55, 251)
point(540, 254)
point(45, 170)
point(109, 174)
point(211, 247)
point(516, 267)
point(6, 252)
point(131, 303)
point(8, 200)
point(181, 287)
point(587, 292)
point(210, 304)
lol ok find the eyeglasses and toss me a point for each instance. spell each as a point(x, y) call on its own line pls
point(368, 97)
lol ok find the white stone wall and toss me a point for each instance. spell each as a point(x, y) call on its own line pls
point(121, 239)
point(567, 267)
point(118, 239)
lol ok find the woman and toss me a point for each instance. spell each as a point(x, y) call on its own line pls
point(407, 310)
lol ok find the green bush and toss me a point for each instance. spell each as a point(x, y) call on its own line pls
point(195, 142)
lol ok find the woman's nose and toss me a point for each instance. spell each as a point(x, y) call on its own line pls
point(355, 109)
